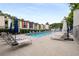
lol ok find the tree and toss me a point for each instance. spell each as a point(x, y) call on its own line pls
point(70, 19)
point(73, 6)
point(1, 13)
point(56, 25)
point(47, 23)
point(7, 15)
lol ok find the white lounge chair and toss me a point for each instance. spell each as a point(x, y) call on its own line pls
point(10, 40)
point(23, 40)
point(59, 36)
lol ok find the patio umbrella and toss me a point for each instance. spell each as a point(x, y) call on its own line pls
point(10, 29)
point(10, 25)
point(64, 29)
point(15, 26)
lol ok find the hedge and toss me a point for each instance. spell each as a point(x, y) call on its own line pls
point(24, 30)
point(21, 30)
point(6, 30)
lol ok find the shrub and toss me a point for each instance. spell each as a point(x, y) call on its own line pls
point(24, 30)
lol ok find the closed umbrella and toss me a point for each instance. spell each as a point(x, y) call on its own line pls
point(10, 29)
point(10, 25)
point(64, 29)
point(15, 26)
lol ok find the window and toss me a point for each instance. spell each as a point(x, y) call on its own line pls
point(31, 25)
point(24, 24)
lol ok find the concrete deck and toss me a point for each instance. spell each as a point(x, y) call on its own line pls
point(43, 46)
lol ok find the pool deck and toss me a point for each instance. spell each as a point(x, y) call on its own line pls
point(43, 46)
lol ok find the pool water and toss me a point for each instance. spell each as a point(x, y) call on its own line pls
point(39, 34)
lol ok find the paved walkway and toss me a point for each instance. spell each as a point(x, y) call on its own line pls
point(43, 46)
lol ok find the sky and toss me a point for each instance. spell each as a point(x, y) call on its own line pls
point(37, 12)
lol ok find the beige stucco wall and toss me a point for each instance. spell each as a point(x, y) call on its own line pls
point(76, 18)
point(9, 22)
point(37, 26)
point(28, 26)
point(2, 22)
point(76, 25)
point(20, 24)
point(41, 26)
point(46, 26)
point(34, 26)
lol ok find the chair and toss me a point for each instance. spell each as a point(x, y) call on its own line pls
point(10, 40)
point(58, 36)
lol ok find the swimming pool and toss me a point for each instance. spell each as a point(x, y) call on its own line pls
point(39, 34)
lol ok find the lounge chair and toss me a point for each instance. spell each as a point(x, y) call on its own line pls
point(10, 40)
point(23, 39)
point(62, 36)
point(58, 36)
